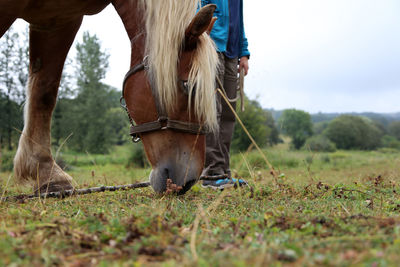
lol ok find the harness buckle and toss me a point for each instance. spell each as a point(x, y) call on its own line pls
point(135, 138)
point(163, 120)
point(122, 102)
point(145, 62)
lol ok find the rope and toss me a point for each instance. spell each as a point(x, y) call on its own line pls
point(273, 172)
point(240, 89)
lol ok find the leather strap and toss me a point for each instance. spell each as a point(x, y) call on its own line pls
point(133, 70)
point(163, 122)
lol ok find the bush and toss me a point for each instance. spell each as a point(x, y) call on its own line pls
point(319, 127)
point(137, 157)
point(352, 132)
point(297, 125)
point(388, 150)
point(320, 143)
point(339, 156)
point(389, 141)
point(6, 161)
point(259, 123)
point(325, 158)
point(394, 129)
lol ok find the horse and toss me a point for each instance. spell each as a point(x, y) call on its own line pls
point(169, 90)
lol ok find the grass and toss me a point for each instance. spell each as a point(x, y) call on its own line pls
point(337, 208)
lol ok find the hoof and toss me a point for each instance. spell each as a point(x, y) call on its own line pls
point(53, 187)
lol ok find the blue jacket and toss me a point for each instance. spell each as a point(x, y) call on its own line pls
point(220, 31)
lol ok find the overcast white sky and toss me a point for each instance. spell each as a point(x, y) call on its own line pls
point(314, 55)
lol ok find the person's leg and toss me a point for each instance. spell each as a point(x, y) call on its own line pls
point(215, 160)
point(227, 123)
point(226, 120)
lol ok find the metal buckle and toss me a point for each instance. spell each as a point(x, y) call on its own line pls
point(122, 102)
point(135, 138)
point(163, 121)
point(145, 62)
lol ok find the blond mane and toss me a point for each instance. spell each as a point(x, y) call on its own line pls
point(166, 22)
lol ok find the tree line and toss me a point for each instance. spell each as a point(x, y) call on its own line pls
point(13, 79)
point(343, 132)
point(88, 117)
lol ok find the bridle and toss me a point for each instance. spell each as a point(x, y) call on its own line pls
point(163, 122)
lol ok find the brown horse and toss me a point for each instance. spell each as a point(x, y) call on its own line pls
point(169, 91)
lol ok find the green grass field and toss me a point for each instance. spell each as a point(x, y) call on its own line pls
point(328, 209)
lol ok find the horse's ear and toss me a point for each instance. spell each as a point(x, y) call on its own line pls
point(214, 19)
point(199, 24)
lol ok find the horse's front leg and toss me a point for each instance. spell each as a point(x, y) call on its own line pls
point(33, 162)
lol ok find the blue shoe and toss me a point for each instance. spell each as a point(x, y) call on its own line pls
point(223, 183)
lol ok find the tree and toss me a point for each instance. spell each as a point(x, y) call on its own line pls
point(13, 77)
point(259, 123)
point(3, 119)
point(22, 66)
point(91, 130)
point(119, 125)
point(7, 79)
point(353, 132)
point(297, 125)
point(394, 129)
point(91, 111)
point(273, 136)
point(60, 123)
point(319, 127)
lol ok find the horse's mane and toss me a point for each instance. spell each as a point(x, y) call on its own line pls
point(166, 21)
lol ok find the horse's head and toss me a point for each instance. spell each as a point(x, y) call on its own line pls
point(170, 94)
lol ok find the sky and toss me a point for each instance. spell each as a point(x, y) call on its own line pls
point(313, 55)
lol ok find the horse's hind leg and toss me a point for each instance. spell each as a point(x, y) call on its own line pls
point(33, 161)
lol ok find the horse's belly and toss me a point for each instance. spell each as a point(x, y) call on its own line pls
point(44, 11)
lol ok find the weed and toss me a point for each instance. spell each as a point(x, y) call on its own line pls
point(348, 214)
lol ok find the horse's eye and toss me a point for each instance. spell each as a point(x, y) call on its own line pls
point(186, 87)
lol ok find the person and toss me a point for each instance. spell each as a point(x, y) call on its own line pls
point(232, 47)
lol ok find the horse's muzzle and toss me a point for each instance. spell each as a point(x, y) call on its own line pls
point(184, 175)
